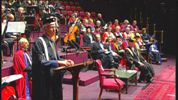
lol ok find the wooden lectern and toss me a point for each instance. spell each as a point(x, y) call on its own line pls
point(75, 70)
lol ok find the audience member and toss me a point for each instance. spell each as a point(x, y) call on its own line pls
point(98, 51)
point(108, 34)
point(134, 26)
point(100, 18)
point(146, 37)
point(154, 52)
point(10, 37)
point(89, 37)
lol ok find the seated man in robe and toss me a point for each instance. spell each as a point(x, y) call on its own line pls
point(99, 51)
point(134, 59)
point(89, 37)
point(22, 63)
point(145, 36)
point(154, 52)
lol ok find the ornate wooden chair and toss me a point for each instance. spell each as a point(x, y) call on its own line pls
point(107, 80)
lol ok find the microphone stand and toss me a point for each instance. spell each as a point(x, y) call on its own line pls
point(82, 49)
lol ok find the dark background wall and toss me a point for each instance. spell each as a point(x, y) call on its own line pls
point(159, 12)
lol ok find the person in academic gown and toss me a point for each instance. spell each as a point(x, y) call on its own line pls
point(89, 37)
point(134, 59)
point(22, 63)
point(99, 51)
point(46, 83)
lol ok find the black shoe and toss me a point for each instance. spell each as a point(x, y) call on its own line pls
point(149, 79)
point(140, 80)
point(115, 65)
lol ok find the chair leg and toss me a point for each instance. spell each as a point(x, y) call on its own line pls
point(119, 95)
point(101, 90)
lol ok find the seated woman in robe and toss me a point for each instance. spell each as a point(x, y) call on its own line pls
point(154, 52)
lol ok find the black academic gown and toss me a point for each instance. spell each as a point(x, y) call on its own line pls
point(87, 40)
point(132, 59)
point(106, 58)
point(45, 82)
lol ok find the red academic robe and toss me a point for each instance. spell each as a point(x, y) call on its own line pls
point(7, 92)
point(19, 67)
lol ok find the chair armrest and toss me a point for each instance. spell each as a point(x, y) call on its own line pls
point(111, 70)
point(107, 75)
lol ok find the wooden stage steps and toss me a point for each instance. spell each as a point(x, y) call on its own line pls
point(86, 78)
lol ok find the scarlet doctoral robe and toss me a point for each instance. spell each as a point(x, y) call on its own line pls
point(22, 85)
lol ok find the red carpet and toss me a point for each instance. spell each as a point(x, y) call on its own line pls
point(162, 88)
point(167, 74)
point(157, 91)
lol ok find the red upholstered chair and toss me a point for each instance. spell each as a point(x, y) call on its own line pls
point(67, 7)
point(82, 13)
point(112, 82)
point(93, 14)
point(78, 8)
point(69, 13)
point(73, 8)
point(64, 3)
point(76, 3)
point(71, 3)
point(81, 40)
point(64, 12)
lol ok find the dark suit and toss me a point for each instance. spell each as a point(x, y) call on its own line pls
point(87, 40)
point(133, 57)
point(97, 52)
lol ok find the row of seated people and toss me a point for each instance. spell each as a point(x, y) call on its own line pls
point(71, 3)
point(129, 57)
point(111, 31)
point(107, 56)
point(114, 28)
point(125, 27)
point(96, 38)
point(97, 26)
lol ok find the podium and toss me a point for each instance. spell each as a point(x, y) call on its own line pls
point(75, 70)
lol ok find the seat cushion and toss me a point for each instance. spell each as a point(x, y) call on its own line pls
point(110, 83)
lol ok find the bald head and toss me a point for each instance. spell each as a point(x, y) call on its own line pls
point(10, 17)
point(99, 15)
point(21, 10)
point(2, 8)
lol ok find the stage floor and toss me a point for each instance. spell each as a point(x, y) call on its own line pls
point(91, 91)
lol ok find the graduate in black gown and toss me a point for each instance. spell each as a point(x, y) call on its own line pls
point(135, 59)
point(44, 60)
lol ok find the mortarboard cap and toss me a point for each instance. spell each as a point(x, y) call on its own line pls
point(48, 18)
point(131, 40)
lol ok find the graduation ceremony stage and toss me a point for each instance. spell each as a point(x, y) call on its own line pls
point(164, 82)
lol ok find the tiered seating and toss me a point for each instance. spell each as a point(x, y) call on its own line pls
point(71, 7)
point(71, 3)
point(78, 8)
point(67, 7)
point(93, 14)
point(86, 78)
point(82, 13)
